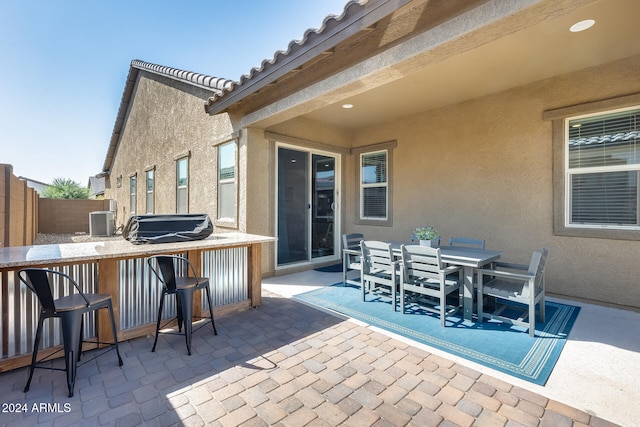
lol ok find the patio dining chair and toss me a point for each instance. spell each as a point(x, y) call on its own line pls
point(70, 309)
point(469, 243)
point(351, 253)
point(379, 270)
point(466, 241)
point(515, 286)
point(183, 287)
point(425, 277)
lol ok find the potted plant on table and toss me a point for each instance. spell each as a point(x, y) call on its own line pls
point(428, 236)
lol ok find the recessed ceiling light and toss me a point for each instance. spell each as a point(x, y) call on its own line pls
point(582, 25)
point(347, 106)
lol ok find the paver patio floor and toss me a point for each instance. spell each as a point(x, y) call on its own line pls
point(285, 364)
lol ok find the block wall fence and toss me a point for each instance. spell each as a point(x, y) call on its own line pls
point(23, 214)
point(18, 210)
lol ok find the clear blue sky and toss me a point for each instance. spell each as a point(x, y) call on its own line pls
point(63, 65)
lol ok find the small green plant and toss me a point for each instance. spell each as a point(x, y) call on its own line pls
point(426, 233)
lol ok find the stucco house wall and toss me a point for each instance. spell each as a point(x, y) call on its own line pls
point(483, 169)
point(165, 122)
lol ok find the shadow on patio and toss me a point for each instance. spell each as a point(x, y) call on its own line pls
point(284, 363)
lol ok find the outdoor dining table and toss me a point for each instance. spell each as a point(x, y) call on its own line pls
point(469, 259)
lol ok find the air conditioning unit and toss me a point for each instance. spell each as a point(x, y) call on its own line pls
point(101, 223)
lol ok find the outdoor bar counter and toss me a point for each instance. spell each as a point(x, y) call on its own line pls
point(232, 261)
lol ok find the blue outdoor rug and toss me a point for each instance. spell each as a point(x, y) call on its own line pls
point(500, 346)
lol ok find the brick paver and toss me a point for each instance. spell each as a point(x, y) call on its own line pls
point(284, 364)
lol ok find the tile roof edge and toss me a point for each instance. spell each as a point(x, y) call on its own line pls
point(190, 77)
point(214, 84)
point(353, 12)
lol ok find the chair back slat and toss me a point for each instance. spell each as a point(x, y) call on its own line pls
point(168, 267)
point(377, 256)
point(537, 266)
point(466, 241)
point(167, 271)
point(37, 281)
point(352, 241)
point(421, 262)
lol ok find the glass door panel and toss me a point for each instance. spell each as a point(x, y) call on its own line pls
point(323, 187)
point(306, 206)
point(293, 206)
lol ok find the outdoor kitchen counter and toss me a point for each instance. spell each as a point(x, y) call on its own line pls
point(108, 256)
point(17, 257)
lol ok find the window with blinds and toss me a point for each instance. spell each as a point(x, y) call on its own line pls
point(373, 186)
point(603, 164)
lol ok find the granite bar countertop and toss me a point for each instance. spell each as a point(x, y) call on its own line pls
point(42, 255)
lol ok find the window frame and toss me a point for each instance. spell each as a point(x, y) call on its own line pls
point(359, 153)
point(367, 185)
point(561, 195)
point(185, 187)
point(226, 221)
point(133, 194)
point(150, 194)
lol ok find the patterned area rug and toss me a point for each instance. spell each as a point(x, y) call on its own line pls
point(500, 346)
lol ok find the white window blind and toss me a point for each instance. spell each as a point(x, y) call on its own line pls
point(373, 185)
point(603, 167)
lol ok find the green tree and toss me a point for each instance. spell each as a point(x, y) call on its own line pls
point(64, 188)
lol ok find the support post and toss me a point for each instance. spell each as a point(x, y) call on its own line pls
point(108, 284)
point(254, 274)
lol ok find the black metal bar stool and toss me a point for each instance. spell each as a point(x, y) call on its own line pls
point(70, 309)
point(183, 287)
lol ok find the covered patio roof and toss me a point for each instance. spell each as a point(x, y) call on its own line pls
point(419, 55)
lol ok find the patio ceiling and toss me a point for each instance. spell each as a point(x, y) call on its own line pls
point(533, 53)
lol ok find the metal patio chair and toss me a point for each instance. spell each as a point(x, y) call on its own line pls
point(70, 309)
point(183, 287)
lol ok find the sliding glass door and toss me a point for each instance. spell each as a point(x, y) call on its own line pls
point(306, 206)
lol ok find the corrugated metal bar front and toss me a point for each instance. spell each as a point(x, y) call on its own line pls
point(139, 296)
point(227, 271)
point(140, 292)
point(140, 289)
point(21, 309)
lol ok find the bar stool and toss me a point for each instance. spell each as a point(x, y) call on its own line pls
point(70, 309)
point(183, 287)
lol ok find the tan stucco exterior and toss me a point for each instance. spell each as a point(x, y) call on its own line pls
point(474, 153)
point(481, 168)
point(165, 121)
